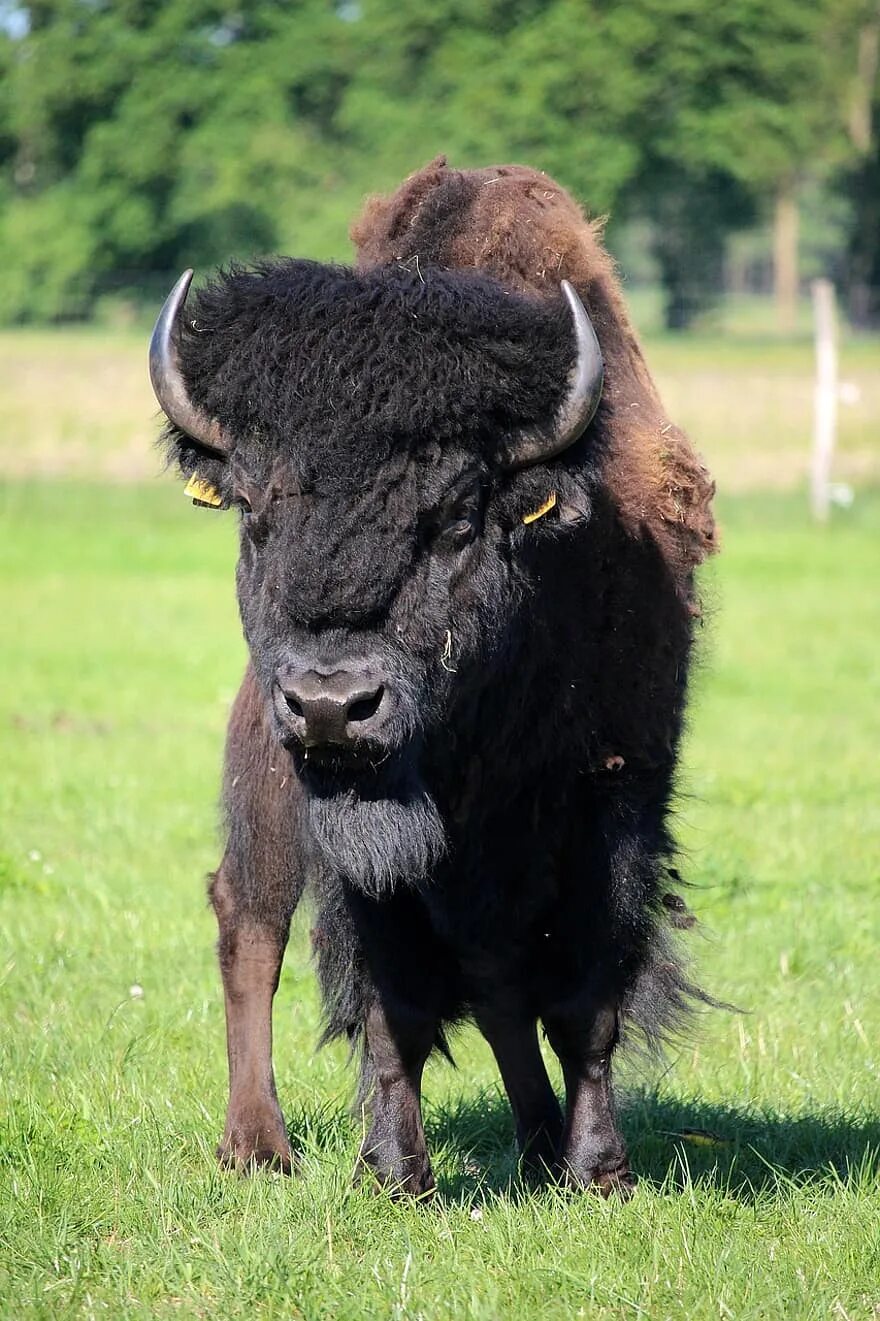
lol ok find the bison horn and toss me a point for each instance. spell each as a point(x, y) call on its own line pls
point(168, 383)
point(543, 441)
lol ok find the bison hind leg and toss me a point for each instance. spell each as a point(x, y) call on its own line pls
point(396, 1047)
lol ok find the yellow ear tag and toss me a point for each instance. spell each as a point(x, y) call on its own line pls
point(543, 509)
point(203, 493)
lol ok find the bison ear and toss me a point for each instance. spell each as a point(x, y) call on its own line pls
point(168, 382)
point(543, 441)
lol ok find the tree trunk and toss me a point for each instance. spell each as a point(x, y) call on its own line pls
point(785, 257)
point(861, 102)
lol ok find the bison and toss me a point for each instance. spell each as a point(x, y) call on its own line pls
point(468, 537)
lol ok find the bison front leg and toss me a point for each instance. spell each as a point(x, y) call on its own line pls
point(592, 1153)
point(396, 1047)
point(251, 952)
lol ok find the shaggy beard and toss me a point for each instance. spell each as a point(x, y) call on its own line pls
point(378, 840)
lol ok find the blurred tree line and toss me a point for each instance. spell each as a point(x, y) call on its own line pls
point(141, 136)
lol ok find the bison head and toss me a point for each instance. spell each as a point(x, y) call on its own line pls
point(383, 437)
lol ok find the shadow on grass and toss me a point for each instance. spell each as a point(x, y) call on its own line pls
point(739, 1152)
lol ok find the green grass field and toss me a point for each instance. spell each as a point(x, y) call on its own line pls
point(121, 653)
point(120, 656)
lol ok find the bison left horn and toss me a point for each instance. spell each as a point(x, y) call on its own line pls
point(167, 378)
point(542, 441)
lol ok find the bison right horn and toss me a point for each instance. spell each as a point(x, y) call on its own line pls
point(167, 378)
point(540, 442)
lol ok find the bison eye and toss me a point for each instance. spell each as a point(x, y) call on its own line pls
point(459, 531)
point(455, 523)
point(242, 503)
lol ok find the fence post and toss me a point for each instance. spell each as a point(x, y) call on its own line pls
point(825, 397)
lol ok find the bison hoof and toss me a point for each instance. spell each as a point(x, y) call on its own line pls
point(414, 1186)
point(247, 1155)
point(538, 1158)
point(617, 1181)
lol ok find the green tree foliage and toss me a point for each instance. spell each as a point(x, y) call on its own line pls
point(138, 136)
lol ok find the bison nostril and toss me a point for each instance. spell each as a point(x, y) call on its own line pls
point(365, 707)
point(294, 705)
